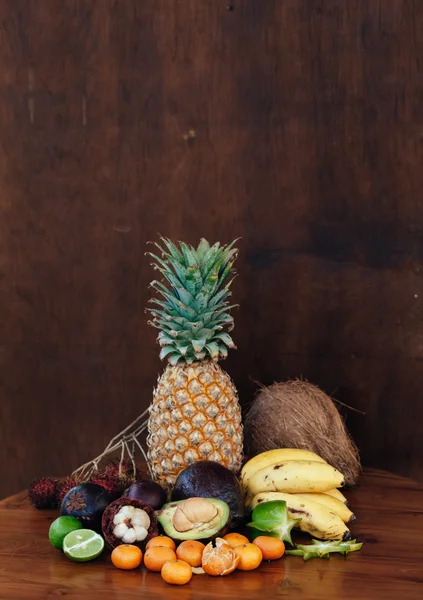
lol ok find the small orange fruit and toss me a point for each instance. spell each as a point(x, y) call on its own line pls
point(176, 572)
point(249, 555)
point(235, 539)
point(155, 557)
point(126, 556)
point(191, 552)
point(161, 540)
point(271, 548)
point(219, 558)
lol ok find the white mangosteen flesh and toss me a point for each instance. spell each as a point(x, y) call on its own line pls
point(131, 524)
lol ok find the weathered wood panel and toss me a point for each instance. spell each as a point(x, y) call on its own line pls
point(297, 125)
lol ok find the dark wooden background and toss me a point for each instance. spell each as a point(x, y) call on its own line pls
point(296, 124)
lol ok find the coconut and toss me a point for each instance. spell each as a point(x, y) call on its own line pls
point(297, 414)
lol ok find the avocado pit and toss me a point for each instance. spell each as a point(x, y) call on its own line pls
point(193, 513)
point(195, 519)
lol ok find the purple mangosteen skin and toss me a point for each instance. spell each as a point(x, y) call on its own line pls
point(87, 502)
point(147, 491)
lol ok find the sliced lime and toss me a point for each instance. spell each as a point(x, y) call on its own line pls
point(83, 545)
point(60, 528)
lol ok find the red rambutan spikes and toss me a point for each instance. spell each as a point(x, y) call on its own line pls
point(42, 493)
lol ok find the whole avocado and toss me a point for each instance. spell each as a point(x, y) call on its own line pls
point(209, 479)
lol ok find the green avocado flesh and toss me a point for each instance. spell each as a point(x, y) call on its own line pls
point(217, 525)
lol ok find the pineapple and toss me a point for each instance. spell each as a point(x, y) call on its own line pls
point(195, 413)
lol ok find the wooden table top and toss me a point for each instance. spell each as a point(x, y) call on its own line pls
point(389, 513)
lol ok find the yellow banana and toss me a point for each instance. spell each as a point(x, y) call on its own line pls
point(316, 519)
point(338, 495)
point(272, 456)
point(295, 477)
point(333, 504)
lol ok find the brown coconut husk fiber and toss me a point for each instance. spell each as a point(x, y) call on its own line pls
point(297, 414)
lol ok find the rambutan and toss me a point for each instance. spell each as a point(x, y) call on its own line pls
point(116, 477)
point(42, 493)
point(63, 486)
point(114, 485)
point(122, 470)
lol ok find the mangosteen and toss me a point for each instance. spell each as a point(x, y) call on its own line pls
point(128, 521)
point(87, 502)
point(209, 479)
point(147, 491)
point(195, 519)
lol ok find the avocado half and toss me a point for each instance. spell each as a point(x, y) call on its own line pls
point(176, 516)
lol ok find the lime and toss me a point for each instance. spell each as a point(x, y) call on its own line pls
point(60, 528)
point(83, 545)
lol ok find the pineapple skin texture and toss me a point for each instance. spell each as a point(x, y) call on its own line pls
point(195, 415)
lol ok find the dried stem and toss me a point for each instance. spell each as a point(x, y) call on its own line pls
point(120, 442)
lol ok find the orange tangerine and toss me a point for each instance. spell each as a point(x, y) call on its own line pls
point(155, 557)
point(191, 552)
point(271, 548)
point(161, 540)
point(126, 556)
point(249, 555)
point(235, 539)
point(176, 572)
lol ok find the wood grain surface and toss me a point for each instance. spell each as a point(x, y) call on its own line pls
point(389, 523)
point(295, 125)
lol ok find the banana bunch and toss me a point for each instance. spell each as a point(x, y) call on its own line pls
point(307, 483)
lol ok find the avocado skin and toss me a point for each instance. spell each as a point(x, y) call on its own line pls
point(165, 517)
point(209, 479)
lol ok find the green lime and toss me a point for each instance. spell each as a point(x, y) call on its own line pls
point(60, 528)
point(83, 545)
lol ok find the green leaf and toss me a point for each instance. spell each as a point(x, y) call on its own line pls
point(225, 338)
point(213, 349)
point(173, 250)
point(174, 358)
point(198, 345)
point(164, 339)
point(223, 351)
point(200, 302)
point(165, 351)
point(190, 256)
point(202, 249)
point(183, 295)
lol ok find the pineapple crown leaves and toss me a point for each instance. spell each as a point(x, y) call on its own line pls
point(192, 311)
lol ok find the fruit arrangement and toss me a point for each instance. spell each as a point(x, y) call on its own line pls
point(201, 511)
point(283, 490)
